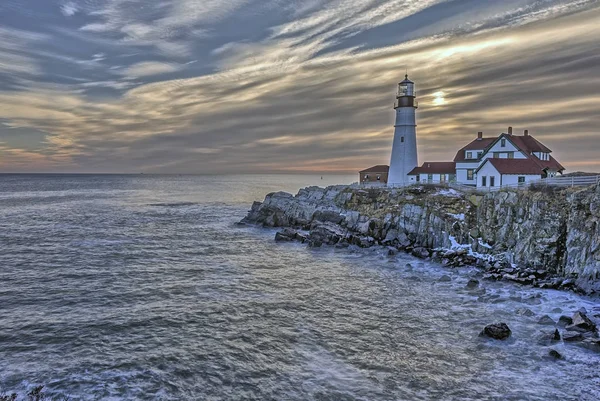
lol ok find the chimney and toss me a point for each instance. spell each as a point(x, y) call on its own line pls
point(526, 133)
point(509, 130)
point(479, 135)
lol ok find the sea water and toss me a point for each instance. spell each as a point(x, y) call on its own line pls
point(140, 287)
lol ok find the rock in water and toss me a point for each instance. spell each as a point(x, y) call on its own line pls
point(525, 312)
point(581, 323)
point(571, 336)
point(546, 320)
point(564, 321)
point(555, 354)
point(498, 331)
point(472, 284)
point(548, 338)
point(445, 278)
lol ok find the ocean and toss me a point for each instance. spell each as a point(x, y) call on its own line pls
point(142, 287)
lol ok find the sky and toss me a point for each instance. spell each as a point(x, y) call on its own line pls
point(269, 86)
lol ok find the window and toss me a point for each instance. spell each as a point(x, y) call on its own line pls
point(402, 139)
point(521, 180)
point(492, 181)
point(378, 177)
point(470, 174)
point(503, 142)
point(484, 181)
point(442, 177)
point(418, 178)
point(496, 155)
point(479, 154)
point(429, 177)
point(511, 155)
point(469, 155)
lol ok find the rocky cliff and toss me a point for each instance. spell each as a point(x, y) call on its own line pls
point(546, 237)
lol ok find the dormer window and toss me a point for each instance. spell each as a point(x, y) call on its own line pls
point(503, 142)
point(479, 154)
point(469, 155)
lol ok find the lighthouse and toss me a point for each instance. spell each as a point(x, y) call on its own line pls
point(404, 148)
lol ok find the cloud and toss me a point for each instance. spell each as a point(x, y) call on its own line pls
point(148, 68)
point(314, 92)
point(69, 8)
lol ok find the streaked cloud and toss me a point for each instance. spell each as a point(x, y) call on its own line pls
point(248, 85)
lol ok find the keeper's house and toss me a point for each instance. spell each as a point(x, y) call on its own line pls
point(492, 162)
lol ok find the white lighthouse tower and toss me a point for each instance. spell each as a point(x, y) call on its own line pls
point(404, 149)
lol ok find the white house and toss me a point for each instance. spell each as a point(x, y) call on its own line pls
point(493, 162)
point(431, 172)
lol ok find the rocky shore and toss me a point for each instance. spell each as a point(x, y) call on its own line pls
point(541, 238)
point(547, 238)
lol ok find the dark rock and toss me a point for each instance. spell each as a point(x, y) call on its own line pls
point(420, 252)
point(328, 216)
point(287, 234)
point(592, 344)
point(564, 321)
point(472, 284)
point(548, 338)
point(445, 278)
point(546, 320)
point(581, 323)
point(392, 251)
point(554, 354)
point(571, 336)
point(315, 243)
point(525, 312)
point(498, 331)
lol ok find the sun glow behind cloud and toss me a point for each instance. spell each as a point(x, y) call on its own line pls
point(310, 93)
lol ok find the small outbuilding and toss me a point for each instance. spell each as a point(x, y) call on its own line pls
point(375, 174)
point(434, 172)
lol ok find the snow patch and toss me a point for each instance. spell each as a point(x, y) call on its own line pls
point(449, 192)
point(459, 216)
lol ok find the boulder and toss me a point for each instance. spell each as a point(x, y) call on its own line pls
point(555, 354)
point(498, 331)
point(571, 336)
point(420, 252)
point(581, 323)
point(546, 320)
point(288, 234)
point(445, 278)
point(525, 312)
point(564, 321)
point(472, 284)
point(548, 338)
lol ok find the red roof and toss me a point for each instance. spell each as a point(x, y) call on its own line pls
point(377, 169)
point(515, 166)
point(477, 144)
point(528, 143)
point(435, 168)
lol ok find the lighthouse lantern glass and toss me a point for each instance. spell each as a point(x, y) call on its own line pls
point(406, 89)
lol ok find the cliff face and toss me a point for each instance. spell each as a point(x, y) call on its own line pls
point(528, 235)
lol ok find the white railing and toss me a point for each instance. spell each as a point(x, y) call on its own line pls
point(547, 182)
point(542, 182)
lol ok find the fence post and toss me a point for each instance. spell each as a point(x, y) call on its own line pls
point(572, 182)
